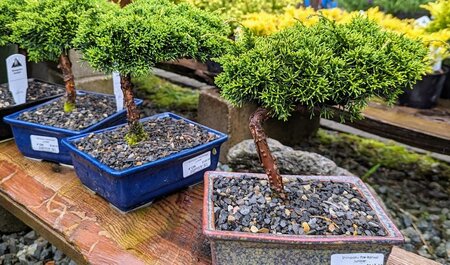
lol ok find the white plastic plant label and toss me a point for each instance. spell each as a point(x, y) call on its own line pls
point(358, 259)
point(118, 91)
point(44, 143)
point(16, 66)
point(423, 21)
point(196, 164)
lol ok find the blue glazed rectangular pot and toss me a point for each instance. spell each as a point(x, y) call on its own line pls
point(234, 248)
point(131, 188)
point(5, 130)
point(45, 142)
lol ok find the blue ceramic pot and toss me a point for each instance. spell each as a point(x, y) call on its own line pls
point(44, 142)
point(133, 187)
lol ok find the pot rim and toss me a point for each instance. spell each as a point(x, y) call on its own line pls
point(70, 144)
point(394, 237)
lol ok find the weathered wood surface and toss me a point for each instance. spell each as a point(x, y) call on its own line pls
point(426, 129)
point(50, 199)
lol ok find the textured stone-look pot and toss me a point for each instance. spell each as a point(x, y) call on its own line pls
point(230, 247)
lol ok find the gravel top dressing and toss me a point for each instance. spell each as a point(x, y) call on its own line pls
point(167, 136)
point(36, 90)
point(311, 208)
point(90, 110)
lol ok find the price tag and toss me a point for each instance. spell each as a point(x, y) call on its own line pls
point(44, 143)
point(118, 91)
point(358, 259)
point(17, 77)
point(196, 164)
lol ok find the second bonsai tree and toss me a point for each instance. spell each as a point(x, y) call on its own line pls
point(133, 39)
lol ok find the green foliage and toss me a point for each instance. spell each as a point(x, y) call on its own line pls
point(321, 66)
point(166, 95)
point(145, 32)
point(440, 11)
point(46, 28)
point(136, 134)
point(403, 7)
point(238, 8)
point(8, 13)
point(380, 154)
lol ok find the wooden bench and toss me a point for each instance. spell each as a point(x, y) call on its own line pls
point(51, 200)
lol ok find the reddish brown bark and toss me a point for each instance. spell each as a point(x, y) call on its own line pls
point(66, 67)
point(132, 111)
point(268, 161)
point(315, 4)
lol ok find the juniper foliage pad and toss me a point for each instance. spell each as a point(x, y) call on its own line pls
point(46, 28)
point(8, 13)
point(146, 32)
point(320, 66)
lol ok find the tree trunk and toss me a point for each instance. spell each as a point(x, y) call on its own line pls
point(315, 4)
point(136, 133)
point(265, 156)
point(66, 67)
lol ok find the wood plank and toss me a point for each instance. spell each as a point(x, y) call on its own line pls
point(403, 257)
point(425, 129)
point(169, 232)
point(51, 200)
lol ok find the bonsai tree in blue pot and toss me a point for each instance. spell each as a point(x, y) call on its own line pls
point(132, 164)
point(46, 29)
point(324, 69)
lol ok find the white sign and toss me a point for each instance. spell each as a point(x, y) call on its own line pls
point(423, 21)
point(357, 259)
point(16, 66)
point(196, 164)
point(43, 143)
point(118, 91)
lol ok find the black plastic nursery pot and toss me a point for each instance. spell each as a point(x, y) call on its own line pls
point(43, 142)
point(425, 92)
point(5, 129)
point(445, 94)
point(137, 186)
point(234, 247)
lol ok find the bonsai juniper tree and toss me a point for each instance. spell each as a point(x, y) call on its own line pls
point(46, 28)
point(315, 69)
point(8, 13)
point(132, 39)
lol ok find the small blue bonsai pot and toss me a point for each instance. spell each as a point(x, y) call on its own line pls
point(43, 142)
point(131, 188)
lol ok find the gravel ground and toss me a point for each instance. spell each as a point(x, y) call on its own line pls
point(90, 110)
point(166, 136)
point(27, 247)
point(310, 207)
point(36, 90)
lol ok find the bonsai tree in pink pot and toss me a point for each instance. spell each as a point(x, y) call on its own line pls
point(319, 70)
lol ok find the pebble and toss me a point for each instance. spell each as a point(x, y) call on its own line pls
point(303, 203)
point(27, 251)
point(36, 90)
point(90, 109)
point(166, 137)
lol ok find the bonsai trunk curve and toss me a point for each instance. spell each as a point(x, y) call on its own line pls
point(136, 133)
point(265, 156)
point(66, 67)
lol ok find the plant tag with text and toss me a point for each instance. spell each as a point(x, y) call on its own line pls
point(357, 259)
point(118, 91)
point(196, 164)
point(44, 143)
point(16, 66)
